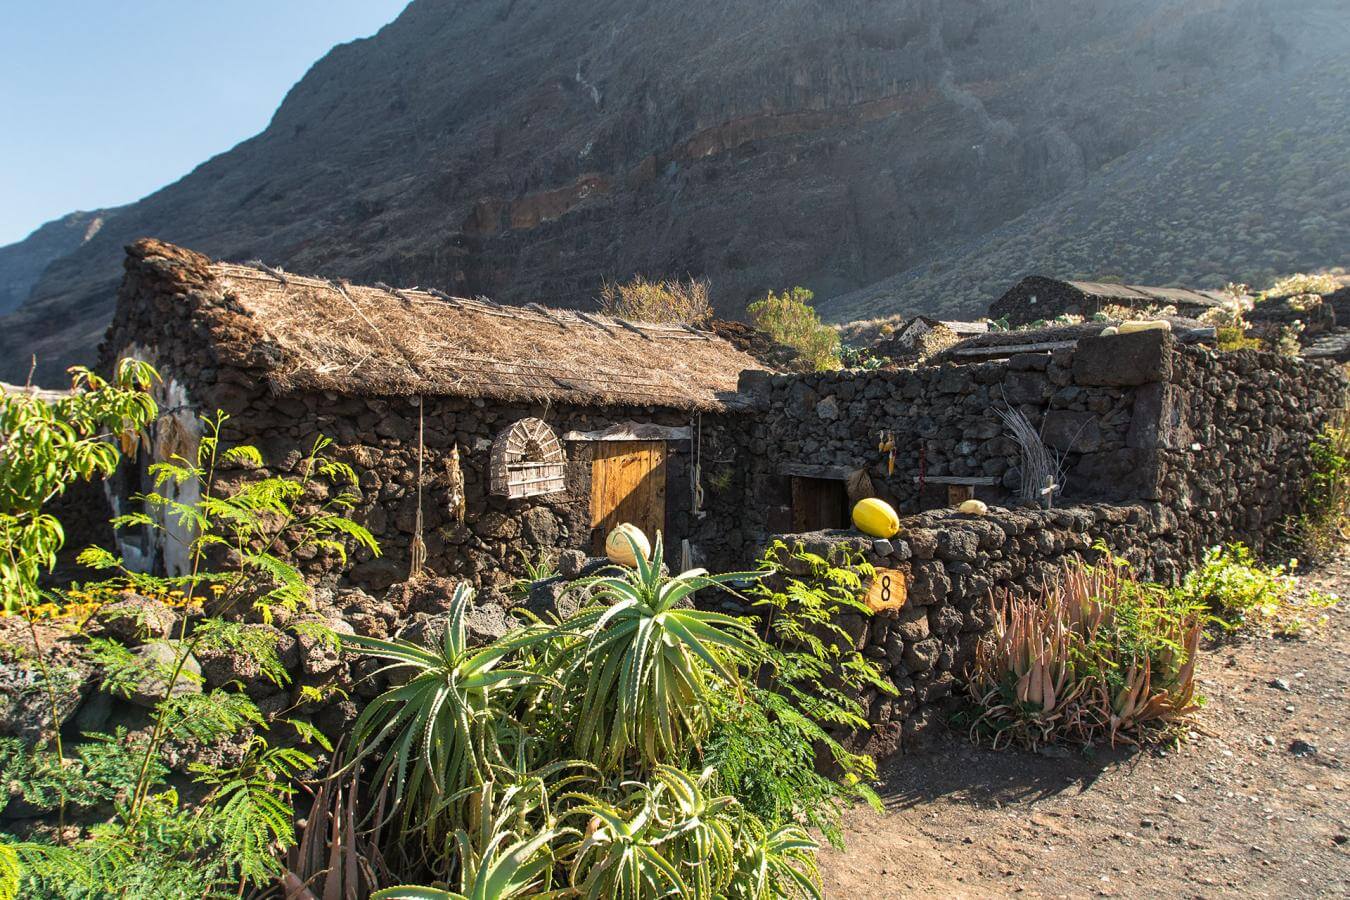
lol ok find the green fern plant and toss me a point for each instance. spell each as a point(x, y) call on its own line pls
point(765, 747)
point(155, 843)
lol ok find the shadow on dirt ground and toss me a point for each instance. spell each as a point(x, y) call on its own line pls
point(1255, 804)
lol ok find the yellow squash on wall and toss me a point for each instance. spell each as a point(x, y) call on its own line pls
point(876, 517)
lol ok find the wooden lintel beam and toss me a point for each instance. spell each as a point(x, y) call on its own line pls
point(982, 480)
point(634, 431)
point(809, 470)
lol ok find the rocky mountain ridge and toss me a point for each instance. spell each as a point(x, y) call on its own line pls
point(526, 149)
point(23, 262)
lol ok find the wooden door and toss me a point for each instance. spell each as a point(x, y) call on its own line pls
point(628, 484)
point(818, 504)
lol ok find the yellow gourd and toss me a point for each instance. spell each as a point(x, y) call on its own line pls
point(1144, 325)
point(618, 548)
point(973, 508)
point(875, 517)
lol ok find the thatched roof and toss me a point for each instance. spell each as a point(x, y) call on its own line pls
point(31, 391)
point(317, 334)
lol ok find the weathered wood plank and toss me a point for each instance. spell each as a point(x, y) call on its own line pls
point(1010, 349)
point(628, 484)
point(988, 480)
point(634, 431)
point(808, 470)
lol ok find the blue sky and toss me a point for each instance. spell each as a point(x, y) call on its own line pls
point(104, 101)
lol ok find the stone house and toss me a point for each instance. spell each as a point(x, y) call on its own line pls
point(494, 434)
point(1036, 298)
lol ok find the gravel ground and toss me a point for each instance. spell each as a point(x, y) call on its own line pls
point(1255, 804)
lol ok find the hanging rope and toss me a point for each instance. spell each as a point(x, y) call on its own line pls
point(418, 553)
point(696, 469)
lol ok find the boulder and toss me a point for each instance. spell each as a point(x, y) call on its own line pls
point(133, 619)
point(157, 658)
point(1066, 430)
point(1124, 360)
point(26, 699)
point(540, 527)
point(319, 653)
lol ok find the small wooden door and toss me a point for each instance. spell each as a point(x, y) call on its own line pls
point(818, 504)
point(628, 484)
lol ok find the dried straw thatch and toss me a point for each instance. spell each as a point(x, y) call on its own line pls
point(325, 335)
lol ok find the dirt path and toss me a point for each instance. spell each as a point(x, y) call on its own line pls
point(1241, 810)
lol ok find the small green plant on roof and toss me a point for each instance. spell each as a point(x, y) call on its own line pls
point(540, 567)
point(1230, 326)
point(789, 318)
point(672, 301)
point(1242, 593)
point(122, 819)
point(860, 358)
point(1096, 655)
point(1305, 289)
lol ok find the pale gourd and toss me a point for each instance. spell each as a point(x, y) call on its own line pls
point(1110, 330)
point(619, 549)
point(1145, 325)
point(974, 508)
point(876, 517)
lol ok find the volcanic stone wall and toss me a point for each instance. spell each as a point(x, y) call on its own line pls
point(379, 438)
point(951, 564)
point(1136, 417)
point(944, 423)
point(1236, 431)
point(1198, 448)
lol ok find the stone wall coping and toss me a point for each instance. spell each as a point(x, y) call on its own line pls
point(920, 535)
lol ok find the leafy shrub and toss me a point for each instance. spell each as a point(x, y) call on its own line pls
point(1095, 655)
point(1325, 524)
point(155, 843)
point(46, 447)
point(680, 302)
point(789, 318)
point(1244, 594)
point(765, 747)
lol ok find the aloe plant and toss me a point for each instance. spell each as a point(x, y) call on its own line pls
point(664, 839)
point(775, 864)
point(641, 669)
point(1095, 654)
point(441, 728)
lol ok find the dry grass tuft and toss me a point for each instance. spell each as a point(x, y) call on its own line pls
point(672, 302)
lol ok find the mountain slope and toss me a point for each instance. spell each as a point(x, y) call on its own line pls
point(527, 148)
point(22, 263)
point(1258, 188)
